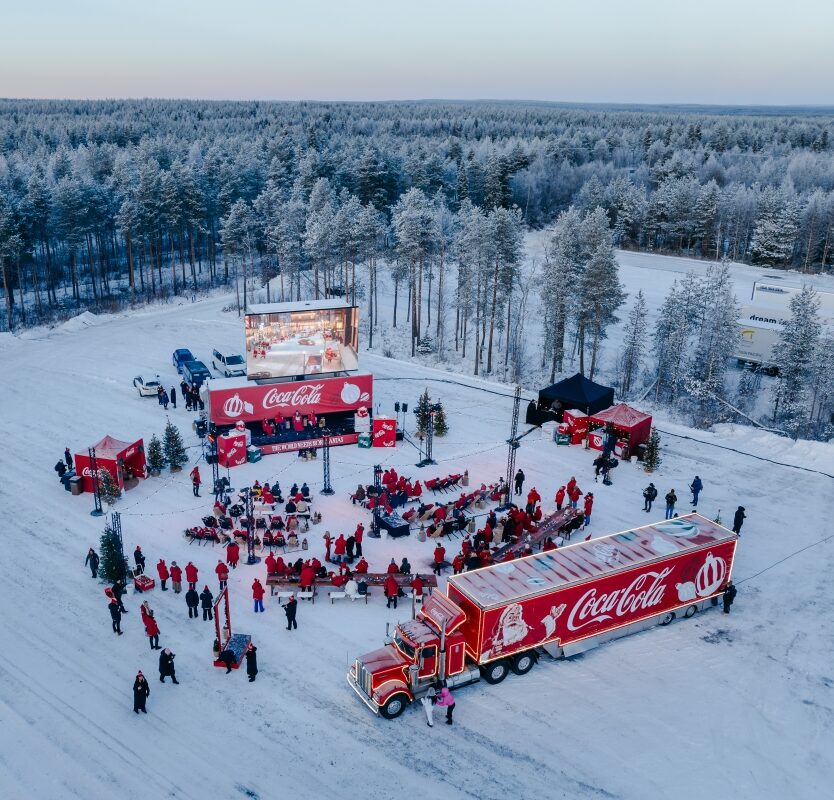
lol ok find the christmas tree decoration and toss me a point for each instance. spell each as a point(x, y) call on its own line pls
point(652, 460)
point(441, 426)
point(173, 447)
point(108, 488)
point(111, 564)
point(156, 457)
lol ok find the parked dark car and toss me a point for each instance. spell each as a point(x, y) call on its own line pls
point(181, 357)
point(195, 373)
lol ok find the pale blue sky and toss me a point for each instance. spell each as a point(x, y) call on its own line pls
point(700, 51)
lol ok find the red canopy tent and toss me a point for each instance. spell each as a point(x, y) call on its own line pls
point(121, 459)
point(629, 425)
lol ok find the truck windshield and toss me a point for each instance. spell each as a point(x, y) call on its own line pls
point(403, 645)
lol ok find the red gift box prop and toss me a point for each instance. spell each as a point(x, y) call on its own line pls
point(385, 432)
point(231, 449)
point(143, 583)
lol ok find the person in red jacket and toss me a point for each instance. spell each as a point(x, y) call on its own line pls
point(162, 571)
point(392, 590)
point(533, 497)
point(466, 545)
point(328, 543)
point(362, 566)
point(358, 535)
point(439, 558)
point(152, 629)
point(191, 575)
point(307, 577)
point(222, 574)
point(195, 481)
point(232, 554)
point(574, 493)
point(258, 595)
point(571, 483)
point(589, 505)
point(439, 514)
point(271, 565)
point(549, 544)
point(417, 586)
point(298, 422)
point(457, 563)
point(393, 569)
point(339, 548)
point(176, 577)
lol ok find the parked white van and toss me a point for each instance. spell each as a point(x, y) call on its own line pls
point(231, 365)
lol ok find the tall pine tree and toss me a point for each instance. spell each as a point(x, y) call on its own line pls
point(173, 447)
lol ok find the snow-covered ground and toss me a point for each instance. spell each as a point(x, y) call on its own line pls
point(739, 706)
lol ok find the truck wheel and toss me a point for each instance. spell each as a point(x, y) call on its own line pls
point(495, 672)
point(691, 611)
point(394, 706)
point(667, 618)
point(523, 663)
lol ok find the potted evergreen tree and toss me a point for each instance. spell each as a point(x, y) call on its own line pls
point(173, 447)
point(651, 459)
point(156, 458)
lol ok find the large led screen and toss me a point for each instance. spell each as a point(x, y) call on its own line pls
point(307, 342)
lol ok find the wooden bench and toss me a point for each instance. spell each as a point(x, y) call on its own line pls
point(308, 594)
point(282, 595)
point(337, 595)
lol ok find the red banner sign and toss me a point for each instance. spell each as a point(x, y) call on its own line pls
point(257, 402)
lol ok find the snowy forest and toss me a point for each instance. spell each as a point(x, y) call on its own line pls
point(105, 204)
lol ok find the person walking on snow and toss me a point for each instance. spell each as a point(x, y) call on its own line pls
point(166, 666)
point(339, 548)
point(358, 535)
point(447, 701)
point(139, 558)
point(560, 498)
point(115, 616)
point(251, 654)
point(141, 692)
point(392, 590)
point(68, 457)
point(738, 520)
point(222, 574)
point(192, 600)
point(195, 481)
point(439, 558)
point(176, 577)
point(519, 481)
point(328, 541)
point(290, 610)
point(258, 595)
point(174, 396)
point(164, 574)
point(118, 592)
point(574, 493)
point(696, 486)
point(428, 701)
point(206, 598)
point(92, 561)
point(729, 596)
point(191, 575)
point(233, 554)
point(152, 629)
point(589, 505)
point(649, 495)
point(671, 499)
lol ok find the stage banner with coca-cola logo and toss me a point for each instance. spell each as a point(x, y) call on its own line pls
point(257, 402)
point(599, 605)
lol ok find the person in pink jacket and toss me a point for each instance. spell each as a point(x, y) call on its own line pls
point(446, 699)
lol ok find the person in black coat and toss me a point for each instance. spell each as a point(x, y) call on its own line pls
point(729, 595)
point(738, 519)
point(118, 592)
point(68, 457)
point(649, 496)
point(92, 561)
point(251, 654)
point(141, 692)
point(173, 396)
point(192, 600)
point(139, 558)
point(206, 600)
point(290, 609)
point(115, 616)
point(166, 666)
point(228, 658)
point(519, 481)
point(61, 469)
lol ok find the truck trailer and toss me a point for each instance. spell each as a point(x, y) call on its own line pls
point(500, 619)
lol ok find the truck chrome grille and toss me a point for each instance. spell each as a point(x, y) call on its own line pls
point(363, 678)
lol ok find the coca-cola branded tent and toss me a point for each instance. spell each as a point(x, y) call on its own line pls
point(120, 459)
point(630, 426)
point(236, 399)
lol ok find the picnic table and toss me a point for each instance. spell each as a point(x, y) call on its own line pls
point(559, 522)
point(371, 578)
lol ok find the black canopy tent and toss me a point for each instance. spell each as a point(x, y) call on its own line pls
point(576, 392)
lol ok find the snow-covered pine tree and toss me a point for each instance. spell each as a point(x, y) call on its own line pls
point(422, 411)
point(111, 566)
point(821, 414)
point(747, 390)
point(652, 459)
point(156, 458)
point(441, 426)
point(776, 228)
point(173, 447)
point(634, 344)
point(794, 355)
point(108, 487)
point(672, 338)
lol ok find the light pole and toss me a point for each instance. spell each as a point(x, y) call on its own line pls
point(325, 462)
point(96, 512)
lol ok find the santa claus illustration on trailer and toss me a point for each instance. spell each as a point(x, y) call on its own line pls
point(510, 630)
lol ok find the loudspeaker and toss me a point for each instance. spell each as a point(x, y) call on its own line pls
point(397, 407)
point(405, 408)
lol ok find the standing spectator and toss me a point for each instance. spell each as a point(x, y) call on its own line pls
point(519, 481)
point(729, 596)
point(152, 629)
point(350, 544)
point(428, 701)
point(141, 692)
point(165, 399)
point(222, 574)
point(560, 498)
point(191, 575)
point(92, 562)
point(258, 595)
point(233, 554)
point(738, 520)
point(186, 393)
point(457, 563)
point(164, 574)
point(589, 505)
point(115, 616)
point(166, 666)
point(671, 499)
point(392, 590)
point(649, 495)
point(206, 598)
point(139, 559)
point(417, 586)
point(195, 481)
point(174, 396)
point(339, 548)
point(448, 702)
point(574, 493)
point(192, 600)
point(176, 577)
point(290, 610)
point(68, 457)
point(251, 654)
point(358, 535)
point(696, 487)
point(328, 541)
point(118, 593)
point(159, 392)
point(439, 558)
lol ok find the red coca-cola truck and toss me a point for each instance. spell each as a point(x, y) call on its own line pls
point(501, 618)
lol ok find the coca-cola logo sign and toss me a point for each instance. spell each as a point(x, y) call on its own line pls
point(308, 394)
point(235, 407)
point(644, 592)
point(711, 576)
